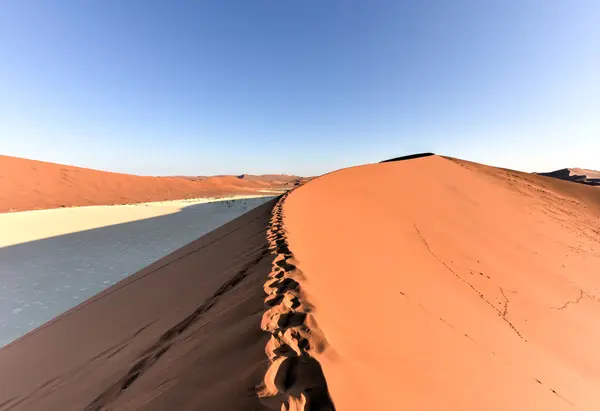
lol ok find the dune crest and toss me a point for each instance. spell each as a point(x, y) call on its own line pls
point(294, 380)
point(424, 284)
point(445, 284)
point(33, 185)
point(576, 175)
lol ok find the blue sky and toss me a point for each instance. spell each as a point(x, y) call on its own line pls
point(303, 87)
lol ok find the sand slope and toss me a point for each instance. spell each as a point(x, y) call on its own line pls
point(182, 334)
point(443, 284)
point(423, 284)
point(29, 185)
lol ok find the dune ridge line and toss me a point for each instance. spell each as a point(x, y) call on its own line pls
point(294, 380)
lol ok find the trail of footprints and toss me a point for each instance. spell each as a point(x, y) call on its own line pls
point(294, 380)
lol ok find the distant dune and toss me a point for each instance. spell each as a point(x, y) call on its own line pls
point(426, 284)
point(29, 185)
point(577, 175)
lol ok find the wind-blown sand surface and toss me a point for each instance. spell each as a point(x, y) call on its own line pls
point(33, 185)
point(423, 284)
point(443, 284)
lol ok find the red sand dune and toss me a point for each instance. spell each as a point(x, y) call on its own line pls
point(443, 284)
point(29, 184)
point(424, 284)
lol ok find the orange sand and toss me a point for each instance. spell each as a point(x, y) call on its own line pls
point(425, 284)
point(442, 284)
point(30, 185)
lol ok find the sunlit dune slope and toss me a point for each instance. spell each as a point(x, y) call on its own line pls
point(422, 284)
point(443, 284)
point(29, 184)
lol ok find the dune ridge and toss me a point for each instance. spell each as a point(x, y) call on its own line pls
point(576, 175)
point(436, 283)
point(407, 157)
point(471, 287)
point(32, 185)
point(294, 380)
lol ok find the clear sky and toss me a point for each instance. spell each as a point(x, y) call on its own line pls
point(304, 87)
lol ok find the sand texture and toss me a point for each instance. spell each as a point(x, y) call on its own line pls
point(182, 334)
point(428, 283)
point(294, 380)
point(444, 284)
point(33, 185)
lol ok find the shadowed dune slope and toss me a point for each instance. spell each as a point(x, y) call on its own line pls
point(578, 175)
point(444, 284)
point(29, 185)
point(181, 334)
point(408, 157)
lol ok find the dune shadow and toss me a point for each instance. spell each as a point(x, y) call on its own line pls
point(44, 278)
point(567, 175)
point(409, 157)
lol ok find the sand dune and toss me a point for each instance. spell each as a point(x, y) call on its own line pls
point(423, 284)
point(31, 185)
point(294, 379)
point(443, 284)
point(182, 334)
point(578, 175)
